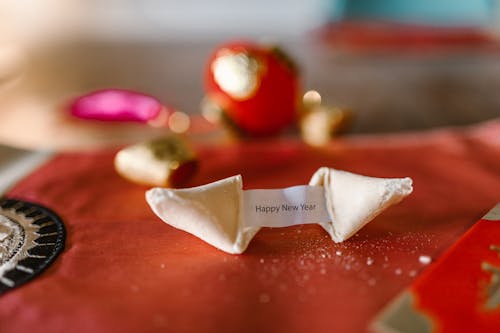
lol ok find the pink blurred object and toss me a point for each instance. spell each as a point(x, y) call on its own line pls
point(118, 105)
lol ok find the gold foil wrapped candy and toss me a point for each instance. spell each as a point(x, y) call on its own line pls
point(166, 162)
point(319, 123)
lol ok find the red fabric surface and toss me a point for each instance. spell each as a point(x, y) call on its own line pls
point(413, 38)
point(124, 270)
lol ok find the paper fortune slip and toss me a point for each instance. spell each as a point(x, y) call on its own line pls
point(226, 216)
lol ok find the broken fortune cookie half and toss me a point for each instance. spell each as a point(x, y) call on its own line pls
point(167, 161)
point(227, 217)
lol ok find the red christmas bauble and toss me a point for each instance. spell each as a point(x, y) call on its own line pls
point(257, 87)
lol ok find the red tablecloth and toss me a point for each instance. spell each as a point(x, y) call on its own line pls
point(124, 270)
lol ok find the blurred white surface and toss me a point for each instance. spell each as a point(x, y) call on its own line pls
point(16, 163)
point(33, 21)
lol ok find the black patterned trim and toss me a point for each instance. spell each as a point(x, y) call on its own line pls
point(36, 247)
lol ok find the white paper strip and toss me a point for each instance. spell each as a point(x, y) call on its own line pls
point(285, 207)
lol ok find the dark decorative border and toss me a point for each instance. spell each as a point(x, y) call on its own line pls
point(49, 244)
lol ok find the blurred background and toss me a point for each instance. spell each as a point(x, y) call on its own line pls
point(195, 20)
point(400, 65)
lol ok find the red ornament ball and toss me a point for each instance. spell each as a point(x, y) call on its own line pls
point(256, 86)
